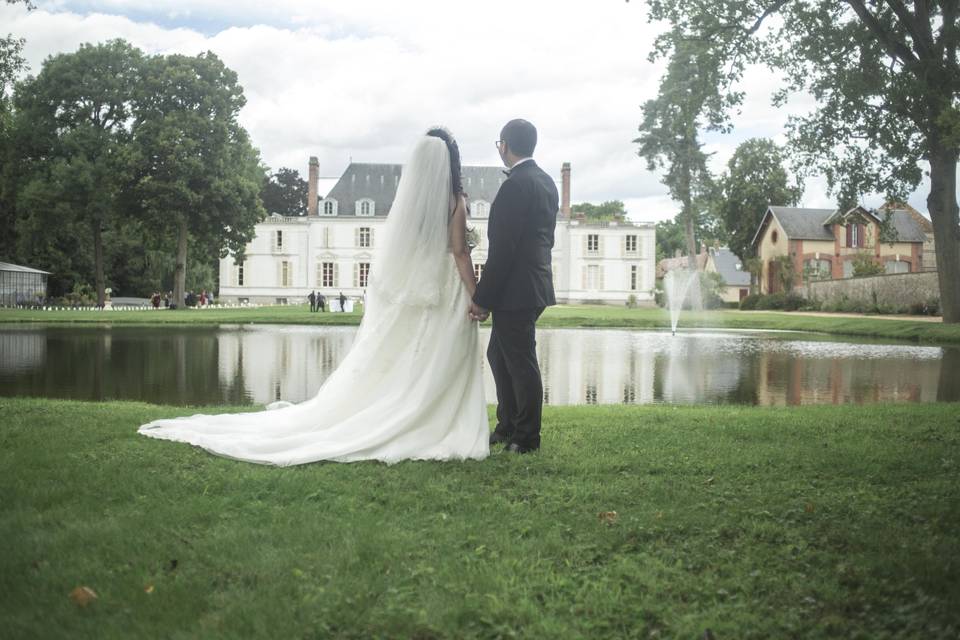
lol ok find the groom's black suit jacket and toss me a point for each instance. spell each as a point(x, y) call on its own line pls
point(523, 217)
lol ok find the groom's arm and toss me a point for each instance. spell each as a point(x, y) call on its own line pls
point(503, 233)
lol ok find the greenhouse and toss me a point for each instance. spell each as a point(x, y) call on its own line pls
point(22, 285)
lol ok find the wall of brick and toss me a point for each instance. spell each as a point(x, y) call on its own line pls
point(897, 289)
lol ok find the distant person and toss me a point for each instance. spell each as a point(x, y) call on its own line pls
point(343, 302)
point(322, 302)
point(313, 301)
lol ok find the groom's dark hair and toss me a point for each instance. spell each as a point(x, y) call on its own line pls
point(520, 136)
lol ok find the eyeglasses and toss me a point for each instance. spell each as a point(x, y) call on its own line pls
point(497, 143)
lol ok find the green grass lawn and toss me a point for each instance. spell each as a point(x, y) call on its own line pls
point(805, 522)
point(560, 316)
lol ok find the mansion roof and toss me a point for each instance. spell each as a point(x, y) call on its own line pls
point(814, 224)
point(378, 182)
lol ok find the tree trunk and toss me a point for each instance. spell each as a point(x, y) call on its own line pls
point(942, 203)
point(99, 280)
point(180, 269)
point(691, 237)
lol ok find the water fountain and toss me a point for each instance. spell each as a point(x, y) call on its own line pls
point(677, 285)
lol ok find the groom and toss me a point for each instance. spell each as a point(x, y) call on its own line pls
point(517, 285)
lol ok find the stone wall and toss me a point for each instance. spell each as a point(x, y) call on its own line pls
point(896, 289)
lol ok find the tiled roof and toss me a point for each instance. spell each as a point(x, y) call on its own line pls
point(808, 224)
point(378, 182)
point(727, 262)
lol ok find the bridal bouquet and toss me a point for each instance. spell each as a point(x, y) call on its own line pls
point(473, 238)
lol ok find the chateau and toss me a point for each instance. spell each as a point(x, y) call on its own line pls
point(330, 249)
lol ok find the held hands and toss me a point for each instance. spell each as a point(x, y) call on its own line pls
point(478, 313)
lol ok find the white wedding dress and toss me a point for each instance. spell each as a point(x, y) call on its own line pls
point(411, 387)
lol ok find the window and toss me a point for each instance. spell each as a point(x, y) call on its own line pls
point(278, 241)
point(361, 273)
point(593, 243)
point(479, 210)
point(286, 274)
point(329, 207)
point(363, 237)
point(816, 269)
point(477, 270)
point(630, 244)
point(240, 274)
point(856, 235)
point(634, 276)
point(590, 393)
point(897, 266)
point(365, 207)
point(593, 277)
point(629, 394)
point(327, 276)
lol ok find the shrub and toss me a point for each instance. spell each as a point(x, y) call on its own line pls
point(749, 303)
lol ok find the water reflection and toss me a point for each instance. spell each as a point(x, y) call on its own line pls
point(259, 364)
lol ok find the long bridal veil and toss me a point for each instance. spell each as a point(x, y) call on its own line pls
point(410, 262)
point(411, 385)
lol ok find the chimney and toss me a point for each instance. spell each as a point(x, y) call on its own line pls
point(565, 197)
point(312, 186)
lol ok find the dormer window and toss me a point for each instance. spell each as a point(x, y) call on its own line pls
point(365, 207)
point(480, 209)
point(328, 208)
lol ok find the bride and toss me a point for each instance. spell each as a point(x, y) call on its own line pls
point(411, 387)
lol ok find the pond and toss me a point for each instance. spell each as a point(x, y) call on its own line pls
point(256, 364)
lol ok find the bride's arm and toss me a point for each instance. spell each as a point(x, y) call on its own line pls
point(459, 248)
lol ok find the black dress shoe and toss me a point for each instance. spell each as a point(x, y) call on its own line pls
point(513, 447)
point(496, 438)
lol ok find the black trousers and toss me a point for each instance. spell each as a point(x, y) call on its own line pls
point(512, 354)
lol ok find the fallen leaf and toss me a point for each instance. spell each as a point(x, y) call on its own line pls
point(658, 515)
point(149, 588)
point(82, 596)
point(708, 481)
point(808, 507)
point(607, 517)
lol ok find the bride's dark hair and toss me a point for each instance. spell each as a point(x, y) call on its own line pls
point(455, 168)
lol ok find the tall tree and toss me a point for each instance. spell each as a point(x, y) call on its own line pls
point(755, 178)
point(285, 193)
point(887, 82)
point(11, 65)
point(198, 176)
point(688, 100)
point(74, 121)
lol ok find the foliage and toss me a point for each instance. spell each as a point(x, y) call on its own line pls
point(786, 272)
point(12, 64)
point(755, 179)
point(197, 175)
point(864, 264)
point(670, 238)
point(687, 101)
point(749, 303)
point(73, 130)
point(887, 83)
point(776, 301)
point(285, 192)
point(603, 212)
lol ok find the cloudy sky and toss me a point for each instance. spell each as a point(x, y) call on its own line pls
point(360, 79)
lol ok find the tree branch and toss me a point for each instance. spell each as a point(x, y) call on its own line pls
point(920, 32)
point(894, 47)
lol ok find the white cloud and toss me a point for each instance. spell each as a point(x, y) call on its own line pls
point(361, 79)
